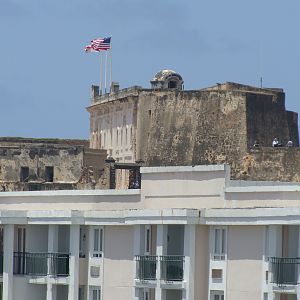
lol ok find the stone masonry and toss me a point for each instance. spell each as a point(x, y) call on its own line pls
point(219, 124)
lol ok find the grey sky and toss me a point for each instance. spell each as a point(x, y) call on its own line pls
point(45, 76)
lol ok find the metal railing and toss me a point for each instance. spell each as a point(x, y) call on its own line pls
point(1, 263)
point(146, 267)
point(172, 267)
point(284, 270)
point(41, 264)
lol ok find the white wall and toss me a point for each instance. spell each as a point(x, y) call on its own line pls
point(244, 265)
point(118, 262)
point(62, 292)
point(22, 290)
point(63, 238)
point(37, 238)
point(189, 189)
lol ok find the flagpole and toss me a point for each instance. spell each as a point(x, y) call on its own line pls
point(105, 73)
point(110, 63)
point(101, 63)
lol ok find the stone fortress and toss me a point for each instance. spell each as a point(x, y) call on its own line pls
point(167, 125)
point(159, 126)
point(49, 164)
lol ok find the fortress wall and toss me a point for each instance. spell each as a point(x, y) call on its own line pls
point(194, 127)
point(274, 164)
point(267, 119)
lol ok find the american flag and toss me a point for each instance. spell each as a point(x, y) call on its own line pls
point(98, 45)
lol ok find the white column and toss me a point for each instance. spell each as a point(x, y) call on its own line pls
point(275, 250)
point(189, 263)
point(298, 286)
point(161, 249)
point(8, 258)
point(74, 262)
point(136, 251)
point(52, 248)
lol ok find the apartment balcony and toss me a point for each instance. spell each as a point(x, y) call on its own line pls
point(1, 263)
point(284, 270)
point(146, 267)
point(171, 268)
point(41, 264)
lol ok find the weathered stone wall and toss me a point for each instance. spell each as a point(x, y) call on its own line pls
point(113, 126)
point(67, 162)
point(75, 167)
point(209, 126)
point(267, 119)
point(274, 164)
point(213, 126)
point(194, 127)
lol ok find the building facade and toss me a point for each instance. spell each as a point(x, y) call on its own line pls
point(189, 233)
point(49, 164)
point(167, 125)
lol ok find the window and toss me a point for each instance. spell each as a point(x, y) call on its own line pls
point(216, 275)
point(146, 295)
point(81, 293)
point(217, 295)
point(96, 294)
point(219, 244)
point(24, 174)
point(98, 242)
point(21, 238)
point(49, 173)
point(147, 239)
point(1, 240)
point(172, 84)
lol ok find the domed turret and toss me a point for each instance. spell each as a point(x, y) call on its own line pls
point(167, 79)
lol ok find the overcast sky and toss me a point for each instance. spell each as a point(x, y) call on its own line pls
point(45, 76)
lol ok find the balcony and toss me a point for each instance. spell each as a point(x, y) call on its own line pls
point(1, 263)
point(171, 267)
point(41, 264)
point(146, 267)
point(284, 270)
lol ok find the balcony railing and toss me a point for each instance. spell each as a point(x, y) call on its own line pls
point(284, 270)
point(41, 264)
point(1, 264)
point(146, 267)
point(172, 267)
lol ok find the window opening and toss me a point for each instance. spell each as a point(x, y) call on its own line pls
point(49, 173)
point(98, 242)
point(219, 244)
point(96, 294)
point(147, 239)
point(172, 84)
point(24, 174)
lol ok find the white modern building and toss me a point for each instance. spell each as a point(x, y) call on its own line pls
point(189, 233)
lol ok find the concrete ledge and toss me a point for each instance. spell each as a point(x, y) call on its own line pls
point(71, 193)
point(251, 216)
point(173, 169)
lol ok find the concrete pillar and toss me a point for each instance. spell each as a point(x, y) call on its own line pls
point(8, 259)
point(161, 249)
point(189, 263)
point(74, 262)
point(52, 248)
point(298, 286)
point(136, 251)
point(274, 250)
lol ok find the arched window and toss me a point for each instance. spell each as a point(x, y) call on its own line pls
point(172, 84)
